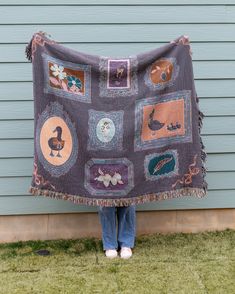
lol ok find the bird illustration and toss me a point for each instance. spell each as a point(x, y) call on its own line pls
point(172, 127)
point(120, 71)
point(117, 77)
point(56, 143)
point(154, 125)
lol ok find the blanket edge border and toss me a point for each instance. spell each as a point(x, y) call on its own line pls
point(141, 199)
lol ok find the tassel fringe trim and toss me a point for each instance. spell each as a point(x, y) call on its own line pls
point(203, 152)
point(28, 50)
point(186, 191)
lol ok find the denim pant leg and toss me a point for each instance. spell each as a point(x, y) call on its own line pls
point(107, 217)
point(126, 216)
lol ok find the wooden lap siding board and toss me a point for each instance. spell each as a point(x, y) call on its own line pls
point(118, 28)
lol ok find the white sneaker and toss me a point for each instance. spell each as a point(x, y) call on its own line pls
point(126, 252)
point(111, 253)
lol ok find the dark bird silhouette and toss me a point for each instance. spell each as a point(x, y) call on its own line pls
point(118, 75)
point(154, 125)
point(56, 143)
point(172, 127)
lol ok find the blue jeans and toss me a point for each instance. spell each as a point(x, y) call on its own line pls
point(124, 234)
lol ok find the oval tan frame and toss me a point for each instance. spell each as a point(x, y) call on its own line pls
point(52, 117)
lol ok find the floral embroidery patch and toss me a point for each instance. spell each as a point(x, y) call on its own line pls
point(105, 130)
point(162, 73)
point(160, 165)
point(118, 77)
point(67, 79)
point(56, 140)
point(109, 176)
point(162, 120)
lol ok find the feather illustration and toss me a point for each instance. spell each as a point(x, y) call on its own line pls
point(161, 163)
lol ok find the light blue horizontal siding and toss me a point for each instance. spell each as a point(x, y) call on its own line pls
point(116, 2)
point(117, 28)
point(25, 204)
point(121, 14)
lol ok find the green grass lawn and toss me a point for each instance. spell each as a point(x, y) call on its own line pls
point(172, 263)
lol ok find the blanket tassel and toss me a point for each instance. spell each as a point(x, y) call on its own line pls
point(28, 49)
point(77, 199)
point(203, 152)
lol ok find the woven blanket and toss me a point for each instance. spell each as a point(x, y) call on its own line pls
point(114, 130)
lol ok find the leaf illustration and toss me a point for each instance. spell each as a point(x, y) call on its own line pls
point(100, 171)
point(54, 81)
point(99, 178)
point(64, 86)
point(114, 181)
point(106, 183)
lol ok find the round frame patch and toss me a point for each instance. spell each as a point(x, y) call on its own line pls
point(56, 140)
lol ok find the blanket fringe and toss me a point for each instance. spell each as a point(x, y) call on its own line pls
point(203, 152)
point(186, 191)
point(30, 45)
point(28, 49)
